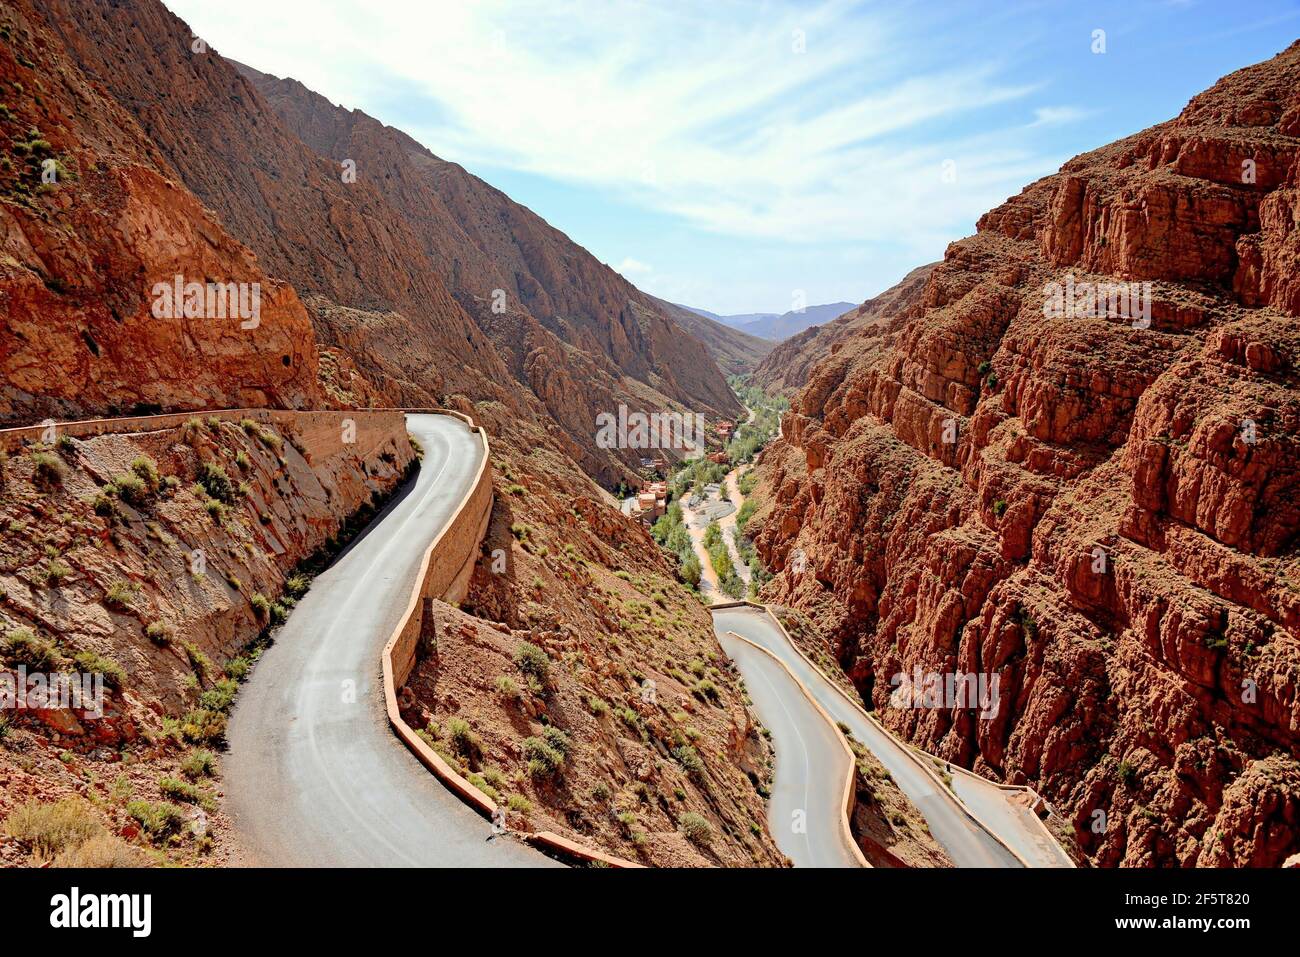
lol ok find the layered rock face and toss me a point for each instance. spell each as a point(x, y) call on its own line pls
point(1090, 496)
point(91, 230)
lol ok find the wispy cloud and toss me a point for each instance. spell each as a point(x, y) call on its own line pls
point(632, 268)
point(1058, 115)
point(763, 120)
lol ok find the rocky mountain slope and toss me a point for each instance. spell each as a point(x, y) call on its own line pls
point(484, 245)
point(155, 559)
point(170, 162)
point(1095, 503)
point(735, 352)
point(789, 365)
point(396, 264)
point(661, 760)
point(90, 221)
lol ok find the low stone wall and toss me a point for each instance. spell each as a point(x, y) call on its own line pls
point(321, 433)
point(444, 574)
point(912, 750)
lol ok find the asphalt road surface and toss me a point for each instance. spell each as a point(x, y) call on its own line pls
point(806, 811)
point(966, 842)
point(315, 777)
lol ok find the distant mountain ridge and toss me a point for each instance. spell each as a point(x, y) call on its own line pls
point(777, 327)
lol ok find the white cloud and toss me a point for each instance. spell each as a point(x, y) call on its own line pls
point(631, 268)
point(703, 111)
point(1057, 115)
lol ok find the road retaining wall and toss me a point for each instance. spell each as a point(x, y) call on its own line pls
point(1035, 801)
point(444, 574)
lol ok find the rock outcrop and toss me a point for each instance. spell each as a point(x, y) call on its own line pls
point(92, 229)
point(1090, 496)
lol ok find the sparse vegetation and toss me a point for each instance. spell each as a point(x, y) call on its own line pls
point(533, 661)
point(199, 763)
point(159, 821)
point(52, 829)
point(92, 662)
point(47, 470)
point(216, 483)
point(544, 760)
point(22, 646)
point(696, 828)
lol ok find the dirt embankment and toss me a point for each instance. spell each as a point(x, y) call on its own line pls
point(155, 559)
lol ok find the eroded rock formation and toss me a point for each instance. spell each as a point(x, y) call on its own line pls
point(1096, 504)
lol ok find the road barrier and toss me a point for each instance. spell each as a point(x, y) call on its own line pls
point(444, 574)
point(1036, 801)
point(850, 783)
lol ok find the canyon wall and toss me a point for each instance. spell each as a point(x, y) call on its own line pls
point(1097, 504)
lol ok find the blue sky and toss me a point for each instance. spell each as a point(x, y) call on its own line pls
point(734, 154)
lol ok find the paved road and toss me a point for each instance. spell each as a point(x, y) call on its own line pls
point(966, 843)
point(806, 811)
point(313, 780)
point(1010, 816)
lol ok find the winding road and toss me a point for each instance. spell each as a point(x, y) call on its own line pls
point(315, 776)
point(805, 812)
point(967, 843)
point(781, 682)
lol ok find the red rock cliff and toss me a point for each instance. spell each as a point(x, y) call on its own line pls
point(1099, 509)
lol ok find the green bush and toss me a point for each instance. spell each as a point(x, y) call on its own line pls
point(216, 482)
point(120, 594)
point(202, 726)
point(146, 469)
point(296, 586)
point(177, 790)
point(543, 759)
point(56, 571)
point(705, 690)
point(696, 828)
point(132, 489)
point(22, 646)
point(221, 696)
point(47, 470)
point(92, 662)
point(199, 763)
point(261, 605)
point(558, 740)
point(533, 661)
point(158, 821)
point(689, 759)
point(159, 633)
point(462, 737)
